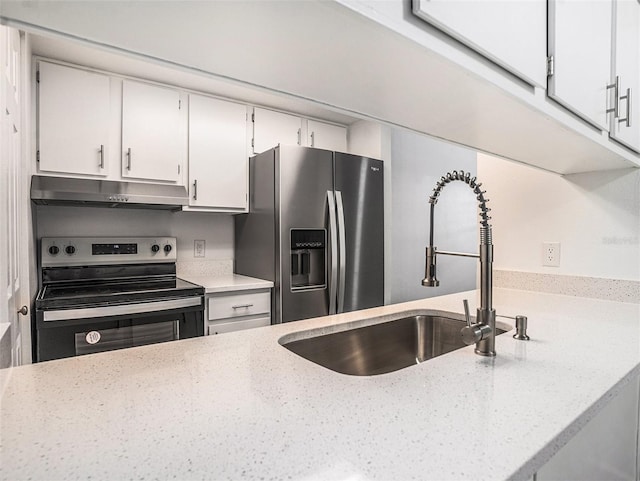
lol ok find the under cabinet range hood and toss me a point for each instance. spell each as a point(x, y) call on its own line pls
point(47, 190)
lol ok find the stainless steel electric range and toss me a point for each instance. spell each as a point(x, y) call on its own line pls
point(102, 294)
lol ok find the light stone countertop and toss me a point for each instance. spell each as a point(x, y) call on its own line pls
point(240, 406)
point(227, 283)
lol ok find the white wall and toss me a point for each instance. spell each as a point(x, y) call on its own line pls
point(595, 216)
point(418, 163)
point(215, 229)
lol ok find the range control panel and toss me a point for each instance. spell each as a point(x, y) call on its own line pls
point(76, 251)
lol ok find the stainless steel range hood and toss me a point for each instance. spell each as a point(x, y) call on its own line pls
point(47, 190)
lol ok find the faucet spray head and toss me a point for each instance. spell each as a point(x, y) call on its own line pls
point(430, 279)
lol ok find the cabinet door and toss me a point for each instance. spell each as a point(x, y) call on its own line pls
point(150, 132)
point(73, 120)
point(272, 128)
point(605, 448)
point(627, 69)
point(218, 160)
point(326, 136)
point(511, 33)
point(580, 43)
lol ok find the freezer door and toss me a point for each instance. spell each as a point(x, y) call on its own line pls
point(304, 177)
point(359, 184)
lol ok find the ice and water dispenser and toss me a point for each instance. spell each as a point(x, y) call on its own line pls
point(308, 268)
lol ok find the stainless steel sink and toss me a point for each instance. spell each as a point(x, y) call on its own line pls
point(384, 347)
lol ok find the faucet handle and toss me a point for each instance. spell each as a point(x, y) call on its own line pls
point(467, 317)
point(473, 333)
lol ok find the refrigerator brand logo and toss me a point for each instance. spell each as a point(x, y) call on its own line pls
point(375, 169)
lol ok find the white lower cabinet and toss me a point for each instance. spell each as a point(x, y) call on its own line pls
point(238, 310)
point(606, 448)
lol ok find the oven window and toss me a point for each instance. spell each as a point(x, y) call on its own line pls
point(101, 340)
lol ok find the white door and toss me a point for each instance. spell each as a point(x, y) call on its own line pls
point(326, 136)
point(272, 128)
point(627, 69)
point(73, 120)
point(13, 203)
point(511, 33)
point(218, 159)
point(150, 132)
point(580, 43)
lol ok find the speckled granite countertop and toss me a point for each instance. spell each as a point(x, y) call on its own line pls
point(240, 406)
point(227, 283)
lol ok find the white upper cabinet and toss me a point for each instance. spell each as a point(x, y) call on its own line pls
point(271, 128)
point(326, 136)
point(625, 126)
point(218, 158)
point(580, 44)
point(73, 120)
point(510, 33)
point(151, 135)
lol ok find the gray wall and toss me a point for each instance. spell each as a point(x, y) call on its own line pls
point(418, 163)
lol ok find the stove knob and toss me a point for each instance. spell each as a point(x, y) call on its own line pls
point(155, 248)
point(70, 250)
point(53, 250)
point(167, 248)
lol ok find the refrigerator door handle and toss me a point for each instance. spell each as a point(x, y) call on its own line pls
point(333, 240)
point(342, 254)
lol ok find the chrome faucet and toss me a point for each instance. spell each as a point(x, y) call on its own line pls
point(483, 332)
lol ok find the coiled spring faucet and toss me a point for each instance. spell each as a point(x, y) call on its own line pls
point(483, 332)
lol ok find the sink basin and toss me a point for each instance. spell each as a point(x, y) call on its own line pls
point(384, 347)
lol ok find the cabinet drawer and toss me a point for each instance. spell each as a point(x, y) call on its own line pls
point(239, 305)
point(222, 327)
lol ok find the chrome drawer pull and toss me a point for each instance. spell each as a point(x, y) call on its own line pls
point(241, 306)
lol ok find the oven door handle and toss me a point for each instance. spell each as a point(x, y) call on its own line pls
point(120, 310)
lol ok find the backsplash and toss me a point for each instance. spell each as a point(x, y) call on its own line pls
point(593, 287)
point(214, 268)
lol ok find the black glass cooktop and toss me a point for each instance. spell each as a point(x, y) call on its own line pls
point(111, 292)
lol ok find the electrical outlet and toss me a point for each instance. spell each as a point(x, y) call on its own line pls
point(551, 254)
point(198, 248)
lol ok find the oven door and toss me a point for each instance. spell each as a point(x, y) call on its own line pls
point(86, 330)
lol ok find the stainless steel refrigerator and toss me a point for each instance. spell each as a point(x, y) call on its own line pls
point(315, 228)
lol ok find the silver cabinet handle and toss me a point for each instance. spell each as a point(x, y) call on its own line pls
point(333, 240)
point(616, 105)
point(195, 189)
point(129, 158)
point(313, 139)
point(342, 255)
point(242, 306)
point(101, 156)
point(627, 119)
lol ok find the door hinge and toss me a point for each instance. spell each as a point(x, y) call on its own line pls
point(179, 104)
point(178, 169)
point(38, 76)
point(253, 117)
point(252, 143)
point(550, 66)
point(37, 156)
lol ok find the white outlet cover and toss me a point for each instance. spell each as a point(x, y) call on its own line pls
point(551, 254)
point(198, 248)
